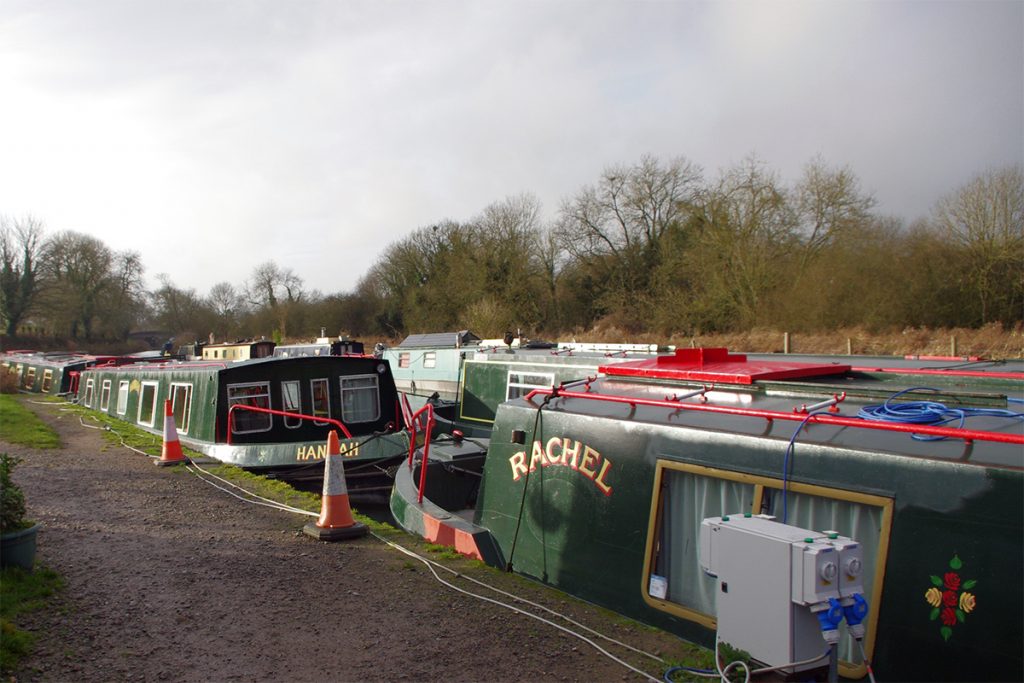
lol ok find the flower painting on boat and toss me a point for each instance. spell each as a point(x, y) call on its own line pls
point(950, 598)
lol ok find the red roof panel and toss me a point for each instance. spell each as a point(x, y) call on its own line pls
point(718, 365)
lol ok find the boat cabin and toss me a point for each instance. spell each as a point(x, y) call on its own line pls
point(240, 350)
point(600, 487)
point(261, 414)
point(322, 346)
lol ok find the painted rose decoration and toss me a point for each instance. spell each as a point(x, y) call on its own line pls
point(950, 598)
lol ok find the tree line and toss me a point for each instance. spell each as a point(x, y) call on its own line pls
point(653, 247)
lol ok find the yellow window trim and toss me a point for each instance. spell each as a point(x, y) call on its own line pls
point(760, 483)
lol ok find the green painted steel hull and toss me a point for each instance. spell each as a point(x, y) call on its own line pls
point(137, 394)
point(271, 456)
point(576, 494)
point(942, 510)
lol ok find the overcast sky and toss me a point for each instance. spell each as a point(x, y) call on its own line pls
point(213, 136)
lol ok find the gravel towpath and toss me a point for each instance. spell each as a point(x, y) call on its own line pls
point(171, 579)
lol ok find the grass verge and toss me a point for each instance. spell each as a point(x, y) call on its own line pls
point(21, 592)
point(19, 425)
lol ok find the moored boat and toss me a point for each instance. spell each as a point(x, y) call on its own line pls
point(269, 415)
point(600, 488)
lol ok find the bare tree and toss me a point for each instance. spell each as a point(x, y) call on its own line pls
point(270, 283)
point(748, 234)
point(829, 203)
point(178, 310)
point(277, 291)
point(125, 301)
point(77, 269)
point(21, 243)
point(628, 211)
point(985, 220)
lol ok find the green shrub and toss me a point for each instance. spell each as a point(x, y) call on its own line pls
point(12, 500)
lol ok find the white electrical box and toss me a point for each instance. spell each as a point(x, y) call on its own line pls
point(772, 578)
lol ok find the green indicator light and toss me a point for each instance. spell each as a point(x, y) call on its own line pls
point(725, 519)
point(808, 540)
point(748, 514)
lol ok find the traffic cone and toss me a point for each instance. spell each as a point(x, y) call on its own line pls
point(335, 522)
point(171, 453)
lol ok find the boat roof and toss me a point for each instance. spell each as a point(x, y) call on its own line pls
point(822, 403)
point(718, 365)
point(440, 340)
point(228, 365)
point(54, 358)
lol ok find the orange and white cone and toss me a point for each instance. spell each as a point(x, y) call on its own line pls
point(336, 522)
point(171, 453)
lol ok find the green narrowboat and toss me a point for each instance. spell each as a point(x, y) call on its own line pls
point(600, 488)
point(492, 376)
point(269, 415)
point(54, 373)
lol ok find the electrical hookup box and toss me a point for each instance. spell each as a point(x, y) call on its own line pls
point(772, 579)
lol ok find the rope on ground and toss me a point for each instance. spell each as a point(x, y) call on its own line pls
point(255, 499)
point(430, 565)
point(252, 497)
point(108, 428)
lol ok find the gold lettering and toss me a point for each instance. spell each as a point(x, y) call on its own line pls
point(590, 456)
point(600, 482)
point(537, 456)
point(552, 443)
point(572, 450)
point(518, 463)
point(564, 452)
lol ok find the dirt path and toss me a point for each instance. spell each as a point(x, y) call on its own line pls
point(170, 579)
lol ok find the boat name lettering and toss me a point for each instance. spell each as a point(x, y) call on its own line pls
point(564, 452)
point(319, 451)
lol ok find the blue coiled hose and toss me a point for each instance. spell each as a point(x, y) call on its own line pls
point(928, 413)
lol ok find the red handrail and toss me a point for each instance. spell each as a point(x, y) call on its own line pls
point(283, 413)
point(427, 408)
point(948, 432)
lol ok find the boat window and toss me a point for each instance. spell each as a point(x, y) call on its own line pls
point(147, 403)
point(430, 359)
point(684, 500)
point(105, 396)
point(47, 380)
point(291, 402)
point(360, 399)
point(30, 378)
point(257, 395)
point(522, 383)
point(122, 397)
point(321, 398)
point(686, 494)
point(90, 388)
point(181, 406)
point(403, 359)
